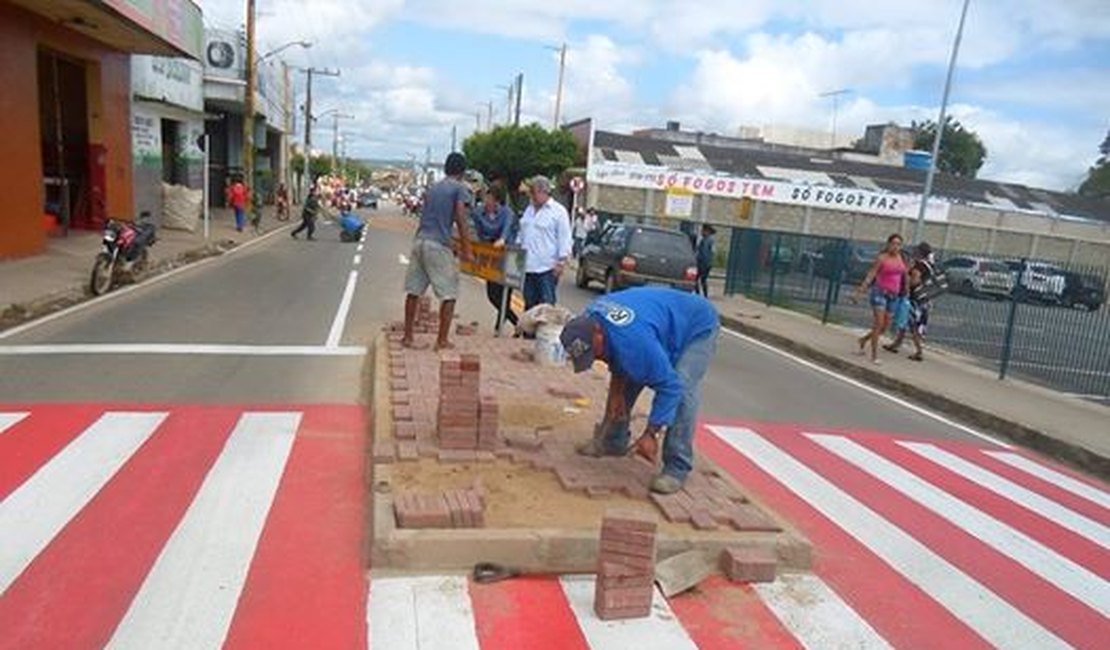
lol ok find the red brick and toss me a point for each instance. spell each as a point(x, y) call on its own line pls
point(404, 430)
point(399, 399)
point(622, 614)
point(612, 546)
point(402, 414)
point(748, 517)
point(407, 450)
point(383, 452)
point(625, 597)
point(629, 520)
point(625, 536)
point(702, 520)
point(456, 456)
point(595, 492)
point(399, 385)
point(638, 564)
point(639, 580)
point(479, 489)
point(670, 507)
point(749, 564)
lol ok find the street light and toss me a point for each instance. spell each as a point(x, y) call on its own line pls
point(559, 93)
point(304, 44)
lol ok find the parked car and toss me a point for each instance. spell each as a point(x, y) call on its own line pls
point(368, 199)
point(1043, 282)
point(978, 276)
point(856, 260)
point(635, 255)
point(1083, 290)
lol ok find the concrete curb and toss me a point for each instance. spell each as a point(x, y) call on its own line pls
point(1074, 455)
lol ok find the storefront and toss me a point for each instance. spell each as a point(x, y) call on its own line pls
point(66, 138)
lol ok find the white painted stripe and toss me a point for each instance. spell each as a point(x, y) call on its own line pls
point(190, 594)
point(8, 420)
point(39, 509)
point(422, 612)
point(123, 291)
point(1037, 558)
point(816, 615)
point(402, 259)
point(660, 631)
point(1059, 479)
point(359, 248)
point(357, 260)
point(1007, 489)
point(870, 389)
point(1000, 623)
point(185, 349)
point(335, 335)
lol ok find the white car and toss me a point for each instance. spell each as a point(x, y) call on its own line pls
point(978, 276)
point(1043, 281)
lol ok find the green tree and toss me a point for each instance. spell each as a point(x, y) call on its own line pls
point(1097, 184)
point(961, 151)
point(510, 154)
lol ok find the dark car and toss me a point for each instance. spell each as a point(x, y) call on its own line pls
point(368, 199)
point(635, 255)
point(854, 259)
point(1083, 290)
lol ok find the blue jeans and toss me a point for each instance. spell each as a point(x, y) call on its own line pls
point(240, 218)
point(678, 445)
point(539, 289)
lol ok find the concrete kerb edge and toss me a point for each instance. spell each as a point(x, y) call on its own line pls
point(1072, 454)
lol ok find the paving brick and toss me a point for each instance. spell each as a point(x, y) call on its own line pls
point(629, 520)
point(404, 430)
point(702, 520)
point(398, 385)
point(457, 456)
point(669, 505)
point(402, 414)
point(612, 546)
point(407, 450)
point(749, 564)
point(455, 506)
point(749, 517)
point(384, 452)
point(625, 597)
point(595, 492)
point(399, 399)
point(636, 563)
point(625, 536)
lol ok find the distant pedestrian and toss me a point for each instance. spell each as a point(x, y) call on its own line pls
point(308, 214)
point(581, 231)
point(493, 223)
point(883, 284)
point(432, 261)
point(281, 198)
point(546, 238)
point(237, 199)
point(704, 254)
point(922, 275)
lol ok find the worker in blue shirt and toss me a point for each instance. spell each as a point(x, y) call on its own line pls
point(493, 223)
point(657, 338)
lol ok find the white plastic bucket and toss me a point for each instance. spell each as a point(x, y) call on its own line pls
point(549, 349)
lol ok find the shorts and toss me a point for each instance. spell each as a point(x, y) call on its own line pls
point(919, 318)
point(432, 263)
point(877, 298)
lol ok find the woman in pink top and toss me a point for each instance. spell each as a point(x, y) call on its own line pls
point(884, 283)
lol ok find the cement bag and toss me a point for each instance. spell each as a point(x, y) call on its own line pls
point(181, 207)
point(546, 322)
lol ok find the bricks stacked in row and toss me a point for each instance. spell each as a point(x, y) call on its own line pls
point(489, 415)
point(459, 406)
point(456, 508)
point(625, 566)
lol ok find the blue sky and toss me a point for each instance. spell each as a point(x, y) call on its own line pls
point(1034, 84)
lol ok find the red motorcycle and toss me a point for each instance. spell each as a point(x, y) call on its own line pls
point(124, 254)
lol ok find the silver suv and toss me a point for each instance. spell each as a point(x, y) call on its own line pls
point(976, 276)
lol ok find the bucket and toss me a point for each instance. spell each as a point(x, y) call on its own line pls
point(549, 349)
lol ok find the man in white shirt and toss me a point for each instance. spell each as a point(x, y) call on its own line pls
point(545, 235)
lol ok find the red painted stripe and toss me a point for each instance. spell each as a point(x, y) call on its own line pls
point(76, 591)
point(306, 587)
point(37, 438)
point(527, 612)
point(1045, 603)
point(720, 615)
point(1059, 538)
point(900, 611)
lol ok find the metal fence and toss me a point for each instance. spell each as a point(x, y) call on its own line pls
point(1052, 328)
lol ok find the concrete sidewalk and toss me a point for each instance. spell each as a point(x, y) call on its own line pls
point(34, 286)
point(1071, 429)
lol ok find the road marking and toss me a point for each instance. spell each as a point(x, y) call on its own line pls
point(190, 594)
point(358, 249)
point(402, 259)
point(357, 260)
point(335, 335)
point(184, 349)
point(661, 630)
point(816, 616)
point(1037, 558)
point(123, 291)
point(870, 389)
point(518, 614)
point(8, 420)
point(423, 612)
point(1007, 489)
point(36, 511)
point(1000, 623)
point(1059, 479)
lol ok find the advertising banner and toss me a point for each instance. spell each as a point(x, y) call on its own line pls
point(174, 81)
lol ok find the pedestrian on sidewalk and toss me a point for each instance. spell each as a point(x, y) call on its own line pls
point(580, 233)
point(493, 223)
point(922, 276)
point(883, 284)
point(237, 199)
point(546, 237)
point(432, 261)
point(650, 338)
point(308, 214)
point(704, 254)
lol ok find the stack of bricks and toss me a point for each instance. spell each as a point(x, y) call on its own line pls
point(749, 564)
point(625, 566)
point(455, 508)
point(466, 419)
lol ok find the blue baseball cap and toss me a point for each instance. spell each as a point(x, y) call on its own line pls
point(578, 340)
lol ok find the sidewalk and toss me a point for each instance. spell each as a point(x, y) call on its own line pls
point(34, 286)
point(1071, 429)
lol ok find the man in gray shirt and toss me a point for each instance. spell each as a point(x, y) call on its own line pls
point(432, 261)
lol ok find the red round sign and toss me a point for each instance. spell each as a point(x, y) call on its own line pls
point(577, 184)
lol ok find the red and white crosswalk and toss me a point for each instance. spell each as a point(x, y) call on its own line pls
point(207, 527)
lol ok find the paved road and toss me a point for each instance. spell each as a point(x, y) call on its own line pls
point(183, 463)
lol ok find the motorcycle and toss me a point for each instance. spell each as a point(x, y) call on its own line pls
point(124, 254)
point(350, 227)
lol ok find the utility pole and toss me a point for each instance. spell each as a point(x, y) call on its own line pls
point(835, 94)
point(489, 115)
point(454, 136)
point(519, 92)
point(308, 122)
point(477, 121)
point(335, 138)
point(559, 93)
point(919, 225)
point(285, 147)
point(248, 109)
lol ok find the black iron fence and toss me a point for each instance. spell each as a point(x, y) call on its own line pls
point(1045, 322)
